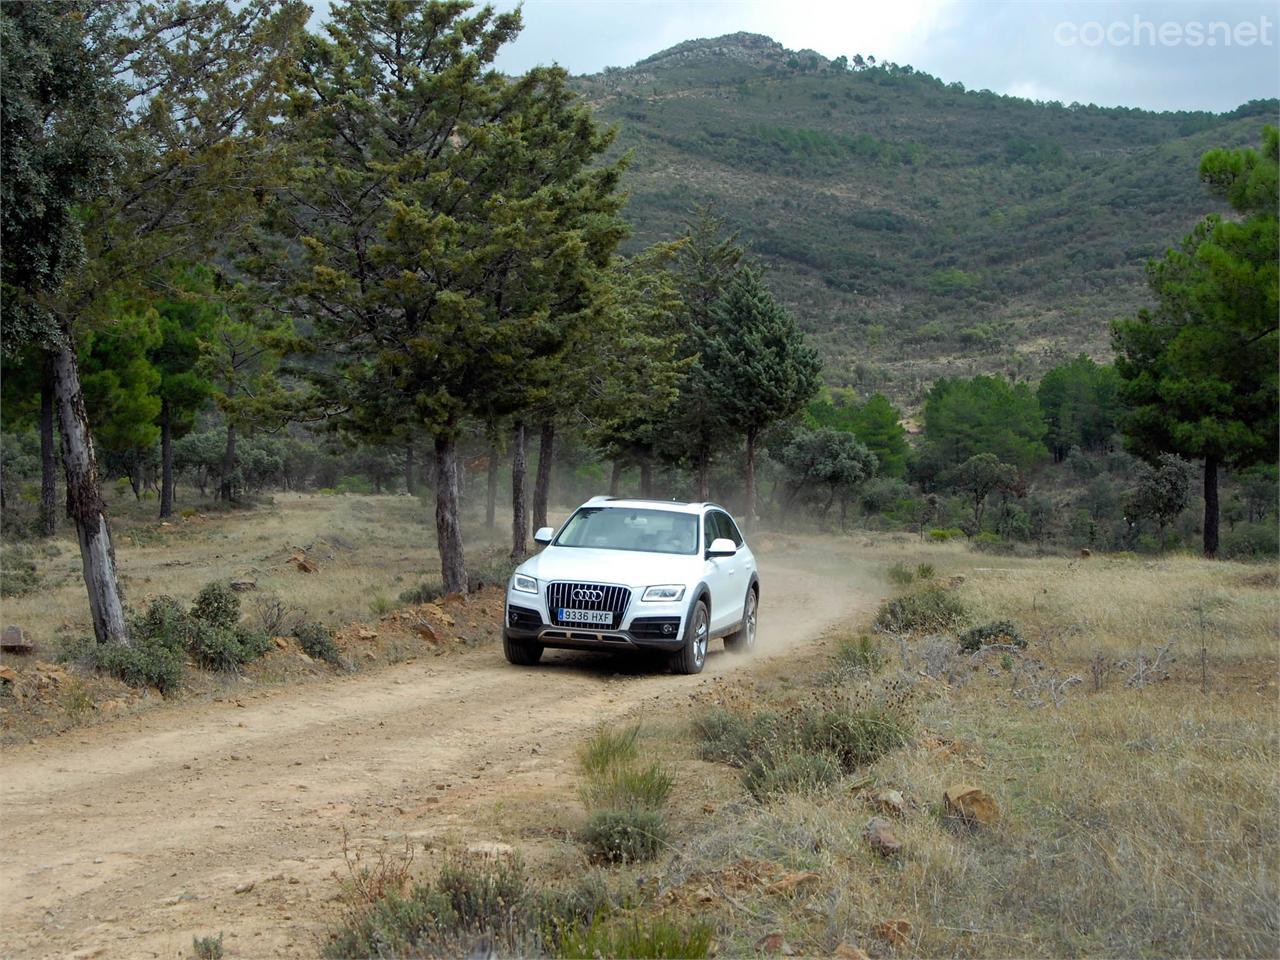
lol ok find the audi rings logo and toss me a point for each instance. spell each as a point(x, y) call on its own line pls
point(591, 596)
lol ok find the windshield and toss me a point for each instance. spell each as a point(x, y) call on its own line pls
point(622, 528)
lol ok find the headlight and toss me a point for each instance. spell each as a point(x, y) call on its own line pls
point(669, 592)
point(524, 584)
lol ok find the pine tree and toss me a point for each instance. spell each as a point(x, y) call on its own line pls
point(1199, 371)
point(758, 366)
point(443, 222)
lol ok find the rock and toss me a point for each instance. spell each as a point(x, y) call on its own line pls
point(364, 633)
point(243, 584)
point(891, 802)
point(1086, 552)
point(8, 675)
point(774, 943)
point(897, 932)
point(424, 630)
point(13, 640)
point(487, 850)
point(282, 643)
point(245, 887)
point(879, 836)
point(970, 804)
point(847, 952)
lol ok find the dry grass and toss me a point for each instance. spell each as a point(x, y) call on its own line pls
point(1134, 822)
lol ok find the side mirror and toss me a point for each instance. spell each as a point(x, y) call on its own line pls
point(722, 547)
point(544, 535)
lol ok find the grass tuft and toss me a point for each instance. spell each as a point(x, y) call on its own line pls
point(930, 608)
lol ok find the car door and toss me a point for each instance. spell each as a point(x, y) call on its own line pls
point(727, 589)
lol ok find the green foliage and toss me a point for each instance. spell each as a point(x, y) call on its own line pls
point(226, 648)
point(900, 574)
point(930, 608)
point(217, 605)
point(1080, 401)
point(648, 937)
point(316, 640)
point(120, 384)
point(978, 477)
point(626, 834)
point(18, 573)
point(626, 786)
point(732, 737)
point(1198, 371)
point(876, 423)
point(1251, 541)
point(1162, 491)
point(982, 415)
point(997, 632)
point(925, 571)
point(207, 948)
point(943, 534)
point(609, 747)
point(775, 773)
point(156, 655)
point(853, 736)
point(861, 655)
point(823, 466)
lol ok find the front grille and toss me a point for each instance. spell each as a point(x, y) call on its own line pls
point(523, 618)
point(598, 596)
point(655, 628)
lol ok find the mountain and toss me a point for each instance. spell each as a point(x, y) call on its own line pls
point(916, 229)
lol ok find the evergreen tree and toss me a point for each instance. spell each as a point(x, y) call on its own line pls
point(964, 418)
point(447, 219)
point(1080, 401)
point(876, 423)
point(824, 465)
point(1199, 370)
point(758, 366)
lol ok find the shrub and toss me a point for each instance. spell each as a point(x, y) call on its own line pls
point(626, 835)
point(18, 574)
point(380, 606)
point(854, 738)
point(1252, 541)
point(789, 771)
point(147, 663)
point(609, 748)
point(226, 649)
point(901, 574)
point(316, 640)
point(862, 654)
point(422, 593)
point(636, 938)
point(998, 631)
point(217, 605)
point(925, 571)
point(932, 608)
point(646, 788)
point(730, 737)
point(943, 534)
point(207, 948)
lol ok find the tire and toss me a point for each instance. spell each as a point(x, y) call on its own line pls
point(692, 656)
point(523, 653)
point(744, 641)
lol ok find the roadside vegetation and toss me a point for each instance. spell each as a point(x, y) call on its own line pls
point(1080, 757)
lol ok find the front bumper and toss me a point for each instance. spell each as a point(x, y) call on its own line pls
point(644, 626)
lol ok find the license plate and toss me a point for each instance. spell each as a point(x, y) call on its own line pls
point(603, 618)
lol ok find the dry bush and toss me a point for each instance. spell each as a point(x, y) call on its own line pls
point(373, 876)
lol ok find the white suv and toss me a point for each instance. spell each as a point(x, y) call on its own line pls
point(635, 575)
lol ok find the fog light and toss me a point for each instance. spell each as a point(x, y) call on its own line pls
point(668, 628)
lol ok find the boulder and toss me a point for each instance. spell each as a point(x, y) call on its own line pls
point(891, 802)
point(14, 640)
point(243, 584)
point(880, 837)
point(970, 804)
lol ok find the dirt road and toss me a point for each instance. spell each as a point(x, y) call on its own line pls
point(127, 839)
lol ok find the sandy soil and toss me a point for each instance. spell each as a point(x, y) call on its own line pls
point(127, 839)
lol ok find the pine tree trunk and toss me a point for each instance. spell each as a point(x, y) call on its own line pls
point(646, 478)
point(48, 459)
point(1211, 507)
point(751, 482)
point(453, 569)
point(227, 489)
point(615, 478)
point(542, 485)
point(97, 556)
point(166, 462)
point(491, 489)
point(519, 499)
point(410, 482)
point(704, 474)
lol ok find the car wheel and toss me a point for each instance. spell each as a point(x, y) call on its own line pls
point(691, 657)
point(523, 653)
point(744, 641)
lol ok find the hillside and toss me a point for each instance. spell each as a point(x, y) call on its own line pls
point(915, 228)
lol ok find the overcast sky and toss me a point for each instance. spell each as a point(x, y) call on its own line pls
point(1195, 54)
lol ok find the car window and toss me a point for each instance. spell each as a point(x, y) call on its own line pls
point(624, 528)
point(730, 529)
point(719, 526)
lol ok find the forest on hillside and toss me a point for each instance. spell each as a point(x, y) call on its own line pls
point(241, 255)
